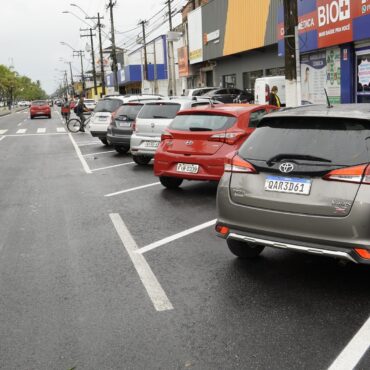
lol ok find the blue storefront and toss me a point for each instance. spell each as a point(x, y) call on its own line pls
point(335, 49)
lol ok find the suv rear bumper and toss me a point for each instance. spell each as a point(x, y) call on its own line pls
point(138, 147)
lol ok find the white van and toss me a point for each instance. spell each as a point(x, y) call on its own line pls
point(263, 86)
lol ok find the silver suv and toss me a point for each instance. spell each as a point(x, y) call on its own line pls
point(301, 182)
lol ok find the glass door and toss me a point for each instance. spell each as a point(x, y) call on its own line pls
point(363, 76)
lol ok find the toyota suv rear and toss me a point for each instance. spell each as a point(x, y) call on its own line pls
point(301, 182)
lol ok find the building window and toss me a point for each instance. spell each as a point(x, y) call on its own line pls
point(249, 79)
point(278, 71)
point(229, 81)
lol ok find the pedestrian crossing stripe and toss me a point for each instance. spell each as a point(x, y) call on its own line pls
point(61, 129)
point(21, 131)
point(2, 132)
point(41, 130)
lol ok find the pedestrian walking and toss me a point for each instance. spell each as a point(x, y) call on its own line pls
point(274, 97)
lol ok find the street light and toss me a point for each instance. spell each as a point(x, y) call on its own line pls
point(77, 6)
point(66, 44)
point(75, 15)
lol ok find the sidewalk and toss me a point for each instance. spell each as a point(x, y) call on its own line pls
point(6, 111)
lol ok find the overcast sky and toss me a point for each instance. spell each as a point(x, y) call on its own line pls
point(31, 31)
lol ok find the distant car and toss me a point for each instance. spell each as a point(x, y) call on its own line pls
point(24, 103)
point(245, 97)
point(40, 108)
point(196, 143)
point(120, 129)
point(58, 103)
point(137, 97)
point(152, 119)
point(90, 105)
point(225, 95)
point(102, 116)
point(301, 182)
point(198, 91)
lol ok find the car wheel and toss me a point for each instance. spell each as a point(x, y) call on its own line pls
point(140, 159)
point(104, 140)
point(244, 250)
point(32, 117)
point(170, 182)
point(49, 116)
point(121, 149)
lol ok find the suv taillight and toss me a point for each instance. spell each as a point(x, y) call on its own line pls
point(357, 174)
point(238, 165)
point(227, 137)
point(133, 126)
point(166, 136)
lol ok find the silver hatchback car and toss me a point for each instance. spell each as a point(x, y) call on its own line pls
point(301, 182)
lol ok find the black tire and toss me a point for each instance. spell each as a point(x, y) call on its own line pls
point(49, 117)
point(104, 140)
point(32, 117)
point(244, 250)
point(141, 159)
point(121, 149)
point(170, 182)
point(74, 125)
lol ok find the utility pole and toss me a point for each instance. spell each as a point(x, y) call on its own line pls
point(171, 57)
point(145, 53)
point(99, 25)
point(114, 53)
point(80, 53)
point(91, 35)
point(290, 24)
point(72, 83)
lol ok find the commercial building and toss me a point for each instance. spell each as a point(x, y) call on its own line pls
point(334, 38)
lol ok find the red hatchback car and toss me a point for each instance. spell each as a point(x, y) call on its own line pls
point(196, 143)
point(40, 108)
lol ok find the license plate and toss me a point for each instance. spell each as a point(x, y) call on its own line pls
point(151, 144)
point(188, 168)
point(124, 124)
point(102, 118)
point(288, 185)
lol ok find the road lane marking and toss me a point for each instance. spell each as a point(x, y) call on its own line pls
point(41, 130)
point(132, 189)
point(2, 132)
point(174, 237)
point(79, 155)
point(355, 349)
point(25, 135)
point(147, 277)
point(2, 137)
point(108, 167)
point(21, 131)
point(109, 151)
point(93, 143)
point(61, 129)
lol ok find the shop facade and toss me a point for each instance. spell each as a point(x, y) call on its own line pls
point(334, 38)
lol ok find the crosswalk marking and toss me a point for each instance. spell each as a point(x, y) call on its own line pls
point(61, 129)
point(21, 131)
point(41, 130)
point(2, 132)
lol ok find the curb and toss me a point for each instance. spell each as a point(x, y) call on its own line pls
point(15, 111)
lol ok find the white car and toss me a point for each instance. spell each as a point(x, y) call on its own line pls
point(90, 104)
point(135, 98)
point(151, 121)
point(24, 103)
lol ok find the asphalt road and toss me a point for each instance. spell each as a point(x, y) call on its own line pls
point(77, 290)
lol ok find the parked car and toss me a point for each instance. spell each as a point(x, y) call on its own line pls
point(40, 108)
point(137, 97)
point(102, 116)
point(24, 103)
point(245, 97)
point(90, 104)
point(150, 123)
point(198, 91)
point(121, 128)
point(301, 182)
point(197, 141)
point(224, 95)
point(263, 86)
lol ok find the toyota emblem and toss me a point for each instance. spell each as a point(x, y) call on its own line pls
point(189, 142)
point(152, 125)
point(286, 167)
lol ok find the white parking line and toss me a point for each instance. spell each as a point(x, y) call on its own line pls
point(355, 349)
point(2, 132)
point(79, 155)
point(93, 143)
point(41, 130)
point(108, 167)
point(180, 235)
point(109, 151)
point(132, 189)
point(22, 131)
point(2, 137)
point(147, 277)
point(26, 135)
point(61, 129)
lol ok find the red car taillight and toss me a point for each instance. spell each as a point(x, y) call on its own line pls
point(239, 165)
point(227, 137)
point(133, 126)
point(357, 174)
point(166, 136)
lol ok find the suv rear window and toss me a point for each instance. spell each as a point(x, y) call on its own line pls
point(339, 140)
point(108, 105)
point(128, 112)
point(202, 122)
point(161, 110)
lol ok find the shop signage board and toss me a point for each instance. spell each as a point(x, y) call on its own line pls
point(182, 54)
point(326, 23)
point(195, 36)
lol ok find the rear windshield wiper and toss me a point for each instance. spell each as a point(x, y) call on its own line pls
point(161, 117)
point(307, 157)
point(200, 129)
